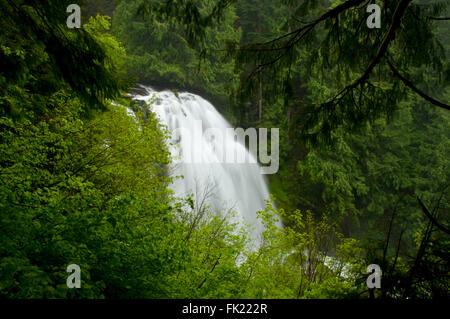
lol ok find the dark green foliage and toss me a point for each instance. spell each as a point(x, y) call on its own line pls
point(331, 43)
point(375, 143)
point(164, 52)
point(40, 55)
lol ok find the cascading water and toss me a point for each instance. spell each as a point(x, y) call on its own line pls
point(239, 186)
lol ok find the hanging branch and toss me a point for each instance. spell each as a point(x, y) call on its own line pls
point(297, 35)
point(388, 38)
point(438, 18)
point(415, 89)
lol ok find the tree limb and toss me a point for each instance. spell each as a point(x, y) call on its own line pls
point(329, 14)
point(431, 218)
point(438, 18)
point(390, 36)
point(298, 34)
point(415, 89)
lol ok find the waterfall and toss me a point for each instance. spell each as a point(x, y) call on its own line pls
point(240, 186)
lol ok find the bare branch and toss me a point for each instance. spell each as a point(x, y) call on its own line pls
point(438, 18)
point(431, 218)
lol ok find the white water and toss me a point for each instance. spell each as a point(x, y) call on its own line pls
point(238, 186)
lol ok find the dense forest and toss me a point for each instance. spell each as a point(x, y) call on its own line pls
point(364, 169)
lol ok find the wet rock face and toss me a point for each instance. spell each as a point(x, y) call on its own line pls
point(139, 104)
point(138, 91)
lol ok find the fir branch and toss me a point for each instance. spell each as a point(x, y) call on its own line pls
point(409, 84)
point(388, 38)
